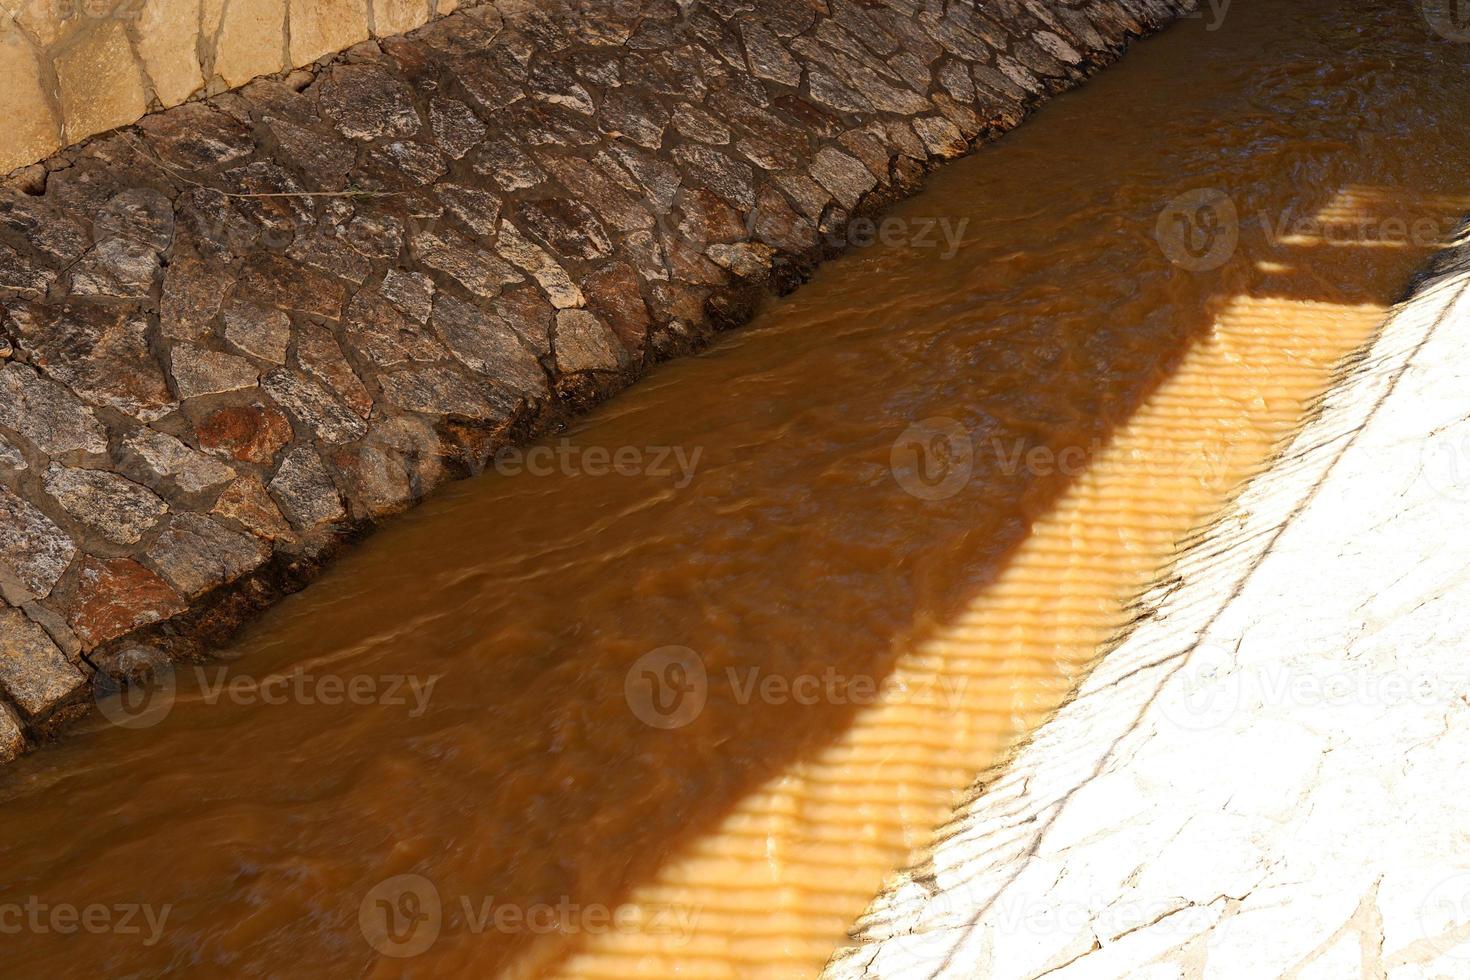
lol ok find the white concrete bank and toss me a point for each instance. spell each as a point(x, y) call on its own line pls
point(1267, 777)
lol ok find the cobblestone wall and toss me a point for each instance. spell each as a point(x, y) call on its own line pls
point(245, 329)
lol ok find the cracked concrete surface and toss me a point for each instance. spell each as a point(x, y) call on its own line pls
point(1260, 779)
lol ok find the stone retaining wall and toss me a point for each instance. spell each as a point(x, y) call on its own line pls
point(244, 330)
point(72, 68)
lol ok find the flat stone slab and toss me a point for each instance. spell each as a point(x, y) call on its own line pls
point(240, 331)
point(1262, 780)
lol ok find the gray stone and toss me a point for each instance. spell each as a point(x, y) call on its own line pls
point(11, 456)
point(101, 353)
point(118, 267)
point(196, 554)
point(441, 390)
point(768, 59)
point(488, 345)
point(659, 178)
point(411, 292)
point(260, 333)
point(139, 214)
point(273, 280)
point(47, 414)
point(324, 157)
point(479, 210)
point(402, 164)
point(198, 371)
point(313, 406)
point(584, 343)
point(195, 135)
point(748, 259)
point(504, 163)
point(20, 278)
point(727, 177)
point(367, 102)
point(843, 175)
point(304, 490)
point(941, 137)
point(192, 291)
point(383, 334)
point(541, 266)
point(333, 253)
point(321, 357)
point(162, 457)
point(568, 229)
point(472, 267)
point(34, 673)
point(456, 127)
point(114, 506)
point(633, 116)
point(34, 551)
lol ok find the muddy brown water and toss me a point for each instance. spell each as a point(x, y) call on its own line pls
point(499, 691)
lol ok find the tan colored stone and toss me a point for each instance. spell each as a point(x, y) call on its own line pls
point(12, 738)
point(250, 40)
point(247, 501)
point(211, 12)
point(397, 16)
point(101, 87)
point(33, 672)
point(167, 36)
point(31, 130)
point(46, 20)
point(321, 27)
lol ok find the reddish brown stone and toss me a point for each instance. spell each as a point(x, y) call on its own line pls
point(114, 597)
point(613, 292)
point(247, 501)
point(251, 434)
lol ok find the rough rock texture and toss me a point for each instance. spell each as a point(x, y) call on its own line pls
point(1258, 780)
point(247, 327)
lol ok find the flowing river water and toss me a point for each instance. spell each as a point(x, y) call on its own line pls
point(675, 693)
